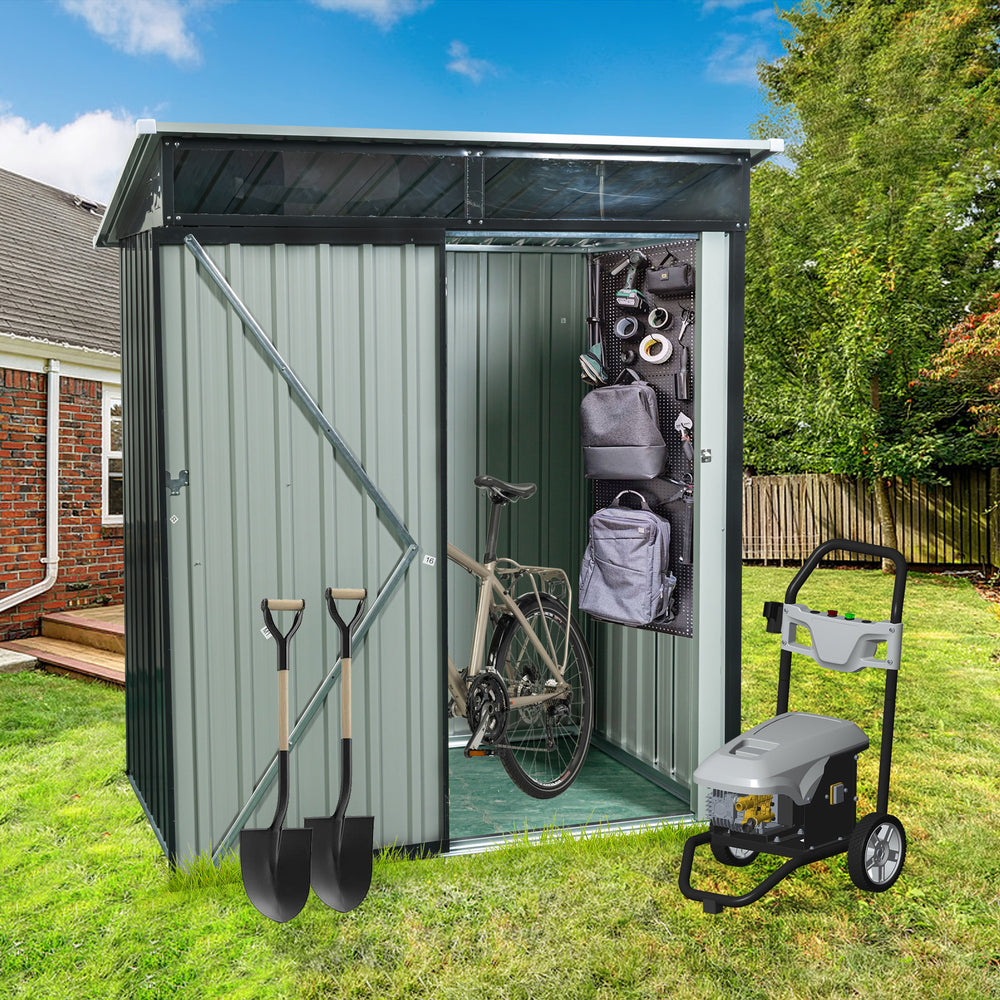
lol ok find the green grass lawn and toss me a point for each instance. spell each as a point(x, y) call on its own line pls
point(88, 908)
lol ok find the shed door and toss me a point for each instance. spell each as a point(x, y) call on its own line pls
point(270, 510)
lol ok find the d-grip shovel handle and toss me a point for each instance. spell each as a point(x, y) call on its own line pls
point(334, 594)
point(267, 606)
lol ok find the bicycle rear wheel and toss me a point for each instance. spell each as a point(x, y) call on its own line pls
point(545, 744)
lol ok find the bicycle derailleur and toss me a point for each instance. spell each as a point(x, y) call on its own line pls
point(487, 710)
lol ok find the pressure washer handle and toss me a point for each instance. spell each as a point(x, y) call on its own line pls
point(864, 548)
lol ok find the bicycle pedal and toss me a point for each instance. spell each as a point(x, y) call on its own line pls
point(481, 752)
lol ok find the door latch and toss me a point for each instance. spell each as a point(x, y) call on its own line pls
point(174, 485)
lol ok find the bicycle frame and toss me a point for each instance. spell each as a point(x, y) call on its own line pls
point(489, 586)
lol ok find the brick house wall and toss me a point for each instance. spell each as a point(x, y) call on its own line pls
point(91, 554)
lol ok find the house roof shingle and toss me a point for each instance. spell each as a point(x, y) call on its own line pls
point(54, 285)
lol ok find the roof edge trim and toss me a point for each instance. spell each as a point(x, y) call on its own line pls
point(150, 133)
point(143, 146)
point(236, 131)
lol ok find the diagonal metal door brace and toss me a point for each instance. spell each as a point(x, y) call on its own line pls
point(393, 521)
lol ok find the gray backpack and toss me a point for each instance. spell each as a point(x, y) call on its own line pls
point(625, 576)
point(620, 431)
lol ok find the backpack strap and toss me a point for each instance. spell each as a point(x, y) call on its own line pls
point(643, 503)
point(628, 371)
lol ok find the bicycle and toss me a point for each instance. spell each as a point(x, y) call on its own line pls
point(529, 699)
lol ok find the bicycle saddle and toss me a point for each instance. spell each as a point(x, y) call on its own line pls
point(501, 492)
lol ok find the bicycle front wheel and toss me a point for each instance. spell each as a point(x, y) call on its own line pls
point(546, 743)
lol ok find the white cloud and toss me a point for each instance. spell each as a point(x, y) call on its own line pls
point(385, 13)
point(83, 157)
point(735, 60)
point(463, 63)
point(141, 27)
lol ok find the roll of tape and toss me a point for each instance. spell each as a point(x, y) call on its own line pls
point(626, 328)
point(655, 348)
point(659, 318)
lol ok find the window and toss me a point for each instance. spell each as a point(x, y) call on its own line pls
point(112, 495)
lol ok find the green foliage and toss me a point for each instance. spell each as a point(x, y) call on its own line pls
point(878, 233)
point(963, 378)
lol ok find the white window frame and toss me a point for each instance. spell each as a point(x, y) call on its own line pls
point(111, 394)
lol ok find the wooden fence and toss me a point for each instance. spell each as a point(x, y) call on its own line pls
point(786, 517)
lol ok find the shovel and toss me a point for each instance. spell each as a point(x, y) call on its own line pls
point(342, 845)
point(275, 861)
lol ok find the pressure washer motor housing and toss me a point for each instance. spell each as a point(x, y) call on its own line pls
point(789, 785)
point(793, 777)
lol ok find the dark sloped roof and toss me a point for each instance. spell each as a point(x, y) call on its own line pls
point(54, 285)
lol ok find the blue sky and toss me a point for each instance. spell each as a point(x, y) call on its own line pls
point(75, 74)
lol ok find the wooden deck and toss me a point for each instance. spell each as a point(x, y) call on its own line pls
point(87, 643)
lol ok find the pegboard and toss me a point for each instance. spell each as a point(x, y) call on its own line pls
point(679, 469)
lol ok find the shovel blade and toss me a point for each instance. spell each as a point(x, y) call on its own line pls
point(342, 859)
point(277, 885)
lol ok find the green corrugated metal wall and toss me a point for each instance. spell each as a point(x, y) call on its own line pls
point(148, 738)
point(270, 512)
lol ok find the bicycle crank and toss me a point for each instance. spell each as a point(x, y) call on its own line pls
point(487, 709)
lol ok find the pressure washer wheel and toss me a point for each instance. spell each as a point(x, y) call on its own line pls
point(735, 857)
point(876, 852)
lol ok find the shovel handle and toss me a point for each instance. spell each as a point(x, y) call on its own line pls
point(280, 604)
point(347, 593)
point(345, 697)
point(282, 709)
point(268, 605)
point(333, 594)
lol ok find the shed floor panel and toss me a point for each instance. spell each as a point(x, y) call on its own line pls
point(485, 802)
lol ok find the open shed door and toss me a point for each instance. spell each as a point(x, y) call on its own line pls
point(270, 509)
point(669, 692)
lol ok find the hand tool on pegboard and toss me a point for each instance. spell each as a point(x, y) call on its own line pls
point(630, 297)
point(681, 391)
point(687, 318)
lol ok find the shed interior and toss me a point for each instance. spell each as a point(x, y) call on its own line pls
point(516, 322)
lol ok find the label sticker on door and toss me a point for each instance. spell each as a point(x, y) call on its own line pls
point(430, 560)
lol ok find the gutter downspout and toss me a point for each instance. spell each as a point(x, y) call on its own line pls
point(51, 557)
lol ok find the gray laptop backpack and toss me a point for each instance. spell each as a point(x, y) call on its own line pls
point(620, 431)
point(625, 576)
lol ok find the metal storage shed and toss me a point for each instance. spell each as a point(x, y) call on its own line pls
point(430, 291)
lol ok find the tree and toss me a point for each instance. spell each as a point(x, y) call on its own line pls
point(963, 379)
point(879, 231)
